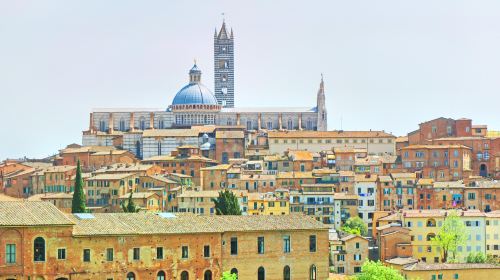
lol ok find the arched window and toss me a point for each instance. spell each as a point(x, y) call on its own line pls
point(207, 275)
point(161, 124)
point(121, 125)
point(234, 271)
point(249, 125)
point(39, 250)
point(309, 124)
point(142, 123)
point(286, 273)
point(269, 125)
point(102, 126)
point(160, 275)
point(138, 149)
point(159, 148)
point(261, 273)
point(130, 276)
point(184, 275)
point(290, 124)
point(312, 272)
point(430, 236)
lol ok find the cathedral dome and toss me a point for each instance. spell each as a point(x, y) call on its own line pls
point(194, 93)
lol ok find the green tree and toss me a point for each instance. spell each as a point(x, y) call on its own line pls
point(355, 225)
point(452, 234)
point(130, 207)
point(476, 258)
point(78, 203)
point(226, 275)
point(227, 204)
point(377, 271)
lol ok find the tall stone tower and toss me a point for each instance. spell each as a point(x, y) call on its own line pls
point(224, 67)
point(321, 107)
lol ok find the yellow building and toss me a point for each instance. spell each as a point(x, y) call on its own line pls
point(105, 190)
point(267, 204)
point(425, 225)
point(493, 233)
point(197, 202)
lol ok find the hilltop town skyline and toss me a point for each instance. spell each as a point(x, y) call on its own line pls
point(371, 62)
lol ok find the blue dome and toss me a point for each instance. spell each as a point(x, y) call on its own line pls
point(194, 93)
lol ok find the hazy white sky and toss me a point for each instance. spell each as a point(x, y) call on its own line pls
point(388, 64)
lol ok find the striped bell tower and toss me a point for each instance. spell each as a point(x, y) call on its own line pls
point(224, 67)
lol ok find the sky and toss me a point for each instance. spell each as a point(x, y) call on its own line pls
point(387, 64)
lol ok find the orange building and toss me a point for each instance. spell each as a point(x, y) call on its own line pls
point(438, 162)
point(185, 160)
point(229, 144)
point(93, 157)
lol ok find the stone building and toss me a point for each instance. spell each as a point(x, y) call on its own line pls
point(139, 130)
point(40, 242)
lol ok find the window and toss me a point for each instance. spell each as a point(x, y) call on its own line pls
point(261, 273)
point(109, 254)
point(286, 244)
point(357, 257)
point(455, 276)
point(312, 272)
point(286, 272)
point(10, 253)
point(86, 255)
point(185, 252)
point(234, 246)
point(234, 271)
point(159, 253)
point(260, 244)
point(357, 245)
point(312, 243)
point(130, 276)
point(161, 275)
point(137, 254)
point(207, 275)
point(61, 254)
point(357, 269)
point(39, 249)
point(206, 251)
point(184, 275)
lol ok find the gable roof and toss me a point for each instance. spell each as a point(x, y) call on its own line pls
point(31, 214)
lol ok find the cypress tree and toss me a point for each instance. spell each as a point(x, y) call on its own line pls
point(130, 207)
point(227, 204)
point(78, 204)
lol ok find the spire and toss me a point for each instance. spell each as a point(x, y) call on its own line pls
point(322, 85)
point(232, 37)
point(223, 32)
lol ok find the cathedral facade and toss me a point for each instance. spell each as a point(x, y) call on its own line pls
point(196, 105)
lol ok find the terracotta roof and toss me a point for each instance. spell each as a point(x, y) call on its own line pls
point(110, 176)
point(61, 168)
point(42, 196)
point(177, 159)
point(301, 155)
point(170, 133)
point(162, 178)
point(425, 181)
point(149, 223)
point(493, 214)
point(403, 175)
point(385, 178)
point(329, 134)
point(451, 184)
point(31, 213)
point(402, 139)
point(291, 175)
point(351, 236)
point(138, 195)
point(230, 134)
point(426, 213)
point(124, 167)
point(206, 193)
point(4, 198)
point(402, 261)
point(449, 266)
point(87, 149)
point(413, 147)
point(364, 178)
point(112, 152)
point(217, 167)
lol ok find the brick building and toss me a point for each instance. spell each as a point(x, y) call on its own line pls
point(40, 242)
